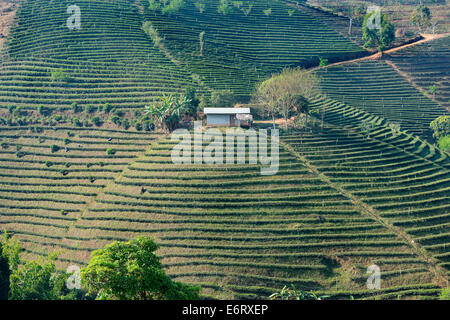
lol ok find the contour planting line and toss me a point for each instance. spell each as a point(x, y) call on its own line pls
point(93, 200)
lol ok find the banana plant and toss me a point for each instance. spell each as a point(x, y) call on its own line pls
point(168, 111)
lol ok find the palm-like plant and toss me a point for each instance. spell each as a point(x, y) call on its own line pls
point(291, 293)
point(168, 110)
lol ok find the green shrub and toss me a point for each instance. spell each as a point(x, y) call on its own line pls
point(110, 152)
point(67, 141)
point(48, 163)
point(59, 75)
point(107, 107)
point(115, 119)
point(76, 108)
point(445, 294)
point(89, 108)
point(223, 98)
point(54, 148)
point(125, 124)
point(76, 122)
point(444, 143)
point(440, 127)
point(138, 125)
point(148, 125)
point(96, 121)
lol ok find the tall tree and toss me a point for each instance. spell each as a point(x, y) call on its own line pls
point(421, 17)
point(381, 36)
point(4, 276)
point(132, 271)
point(287, 92)
point(356, 15)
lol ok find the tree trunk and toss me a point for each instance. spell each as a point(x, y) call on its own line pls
point(350, 27)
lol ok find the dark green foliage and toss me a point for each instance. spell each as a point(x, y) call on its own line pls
point(4, 276)
point(116, 119)
point(89, 108)
point(378, 38)
point(76, 108)
point(223, 98)
point(125, 124)
point(59, 76)
point(107, 108)
point(44, 111)
point(54, 148)
point(76, 122)
point(148, 125)
point(96, 121)
point(138, 125)
point(132, 271)
point(191, 94)
point(421, 17)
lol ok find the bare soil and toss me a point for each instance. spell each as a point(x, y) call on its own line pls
point(8, 10)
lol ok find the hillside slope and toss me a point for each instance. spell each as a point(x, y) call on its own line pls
point(110, 59)
point(242, 48)
point(426, 65)
point(240, 235)
point(376, 87)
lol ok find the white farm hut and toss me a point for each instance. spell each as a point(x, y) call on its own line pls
point(226, 116)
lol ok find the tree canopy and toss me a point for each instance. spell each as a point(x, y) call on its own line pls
point(286, 93)
point(132, 271)
point(381, 37)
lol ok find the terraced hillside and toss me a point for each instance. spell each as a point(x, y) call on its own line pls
point(376, 87)
point(43, 192)
point(339, 23)
point(400, 11)
point(319, 223)
point(426, 65)
point(395, 176)
point(110, 59)
point(345, 197)
point(240, 48)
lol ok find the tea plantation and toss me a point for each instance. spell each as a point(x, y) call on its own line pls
point(362, 184)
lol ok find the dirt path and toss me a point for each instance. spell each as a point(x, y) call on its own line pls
point(377, 56)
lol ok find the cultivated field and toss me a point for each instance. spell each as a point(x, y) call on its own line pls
point(367, 185)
